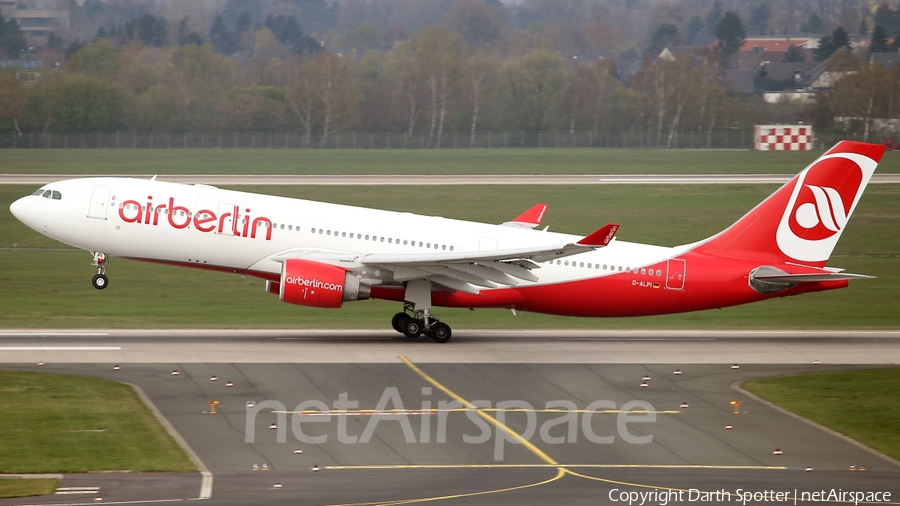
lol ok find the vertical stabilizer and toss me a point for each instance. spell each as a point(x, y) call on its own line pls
point(803, 220)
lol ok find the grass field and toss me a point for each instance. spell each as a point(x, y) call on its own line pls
point(27, 487)
point(68, 424)
point(50, 287)
point(413, 161)
point(859, 404)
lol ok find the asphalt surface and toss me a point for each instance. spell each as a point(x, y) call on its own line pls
point(466, 347)
point(419, 180)
point(418, 455)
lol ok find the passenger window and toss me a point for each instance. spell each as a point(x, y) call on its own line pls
point(344, 234)
point(404, 242)
point(451, 248)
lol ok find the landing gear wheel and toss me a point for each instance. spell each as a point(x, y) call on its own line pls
point(411, 327)
point(395, 321)
point(440, 332)
point(99, 281)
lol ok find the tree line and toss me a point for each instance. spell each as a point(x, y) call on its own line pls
point(432, 82)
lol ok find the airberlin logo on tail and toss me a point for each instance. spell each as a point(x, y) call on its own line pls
point(821, 202)
point(821, 218)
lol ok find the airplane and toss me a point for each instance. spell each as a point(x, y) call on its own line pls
point(322, 255)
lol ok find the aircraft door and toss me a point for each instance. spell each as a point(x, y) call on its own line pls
point(99, 203)
point(226, 210)
point(676, 269)
point(487, 244)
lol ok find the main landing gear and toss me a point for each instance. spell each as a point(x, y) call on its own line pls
point(420, 322)
point(100, 281)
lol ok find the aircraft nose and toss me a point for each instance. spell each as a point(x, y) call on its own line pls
point(18, 209)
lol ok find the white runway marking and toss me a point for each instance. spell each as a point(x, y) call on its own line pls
point(36, 333)
point(60, 348)
point(441, 179)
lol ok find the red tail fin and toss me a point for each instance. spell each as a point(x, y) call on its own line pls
point(803, 220)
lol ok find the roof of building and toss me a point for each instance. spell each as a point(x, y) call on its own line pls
point(886, 59)
point(773, 43)
point(741, 80)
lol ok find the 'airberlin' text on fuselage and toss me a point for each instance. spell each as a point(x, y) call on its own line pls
point(179, 217)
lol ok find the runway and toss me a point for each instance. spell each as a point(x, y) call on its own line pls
point(426, 180)
point(552, 417)
point(466, 347)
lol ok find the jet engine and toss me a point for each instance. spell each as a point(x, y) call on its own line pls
point(309, 283)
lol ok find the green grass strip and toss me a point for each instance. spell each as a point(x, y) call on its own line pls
point(67, 424)
point(17, 487)
point(861, 405)
point(412, 161)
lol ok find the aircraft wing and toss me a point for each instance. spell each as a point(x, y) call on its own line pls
point(467, 270)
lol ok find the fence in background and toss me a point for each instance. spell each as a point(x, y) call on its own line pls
point(722, 139)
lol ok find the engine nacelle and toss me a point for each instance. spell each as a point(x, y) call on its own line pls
point(309, 283)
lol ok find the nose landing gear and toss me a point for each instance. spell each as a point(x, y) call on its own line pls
point(100, 281)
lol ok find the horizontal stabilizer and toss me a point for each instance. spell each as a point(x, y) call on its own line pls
point(814, 277)
point(600, 238)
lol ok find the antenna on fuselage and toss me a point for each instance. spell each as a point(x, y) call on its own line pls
point(154, 177)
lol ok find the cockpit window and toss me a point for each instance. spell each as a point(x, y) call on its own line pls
point(48, 194)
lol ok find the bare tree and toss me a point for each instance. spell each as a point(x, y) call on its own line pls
point(332, 80)
point(688, 85)
point(12, 99)
point(592, 82)
point(863, 95)
point(656, 80)
point(300, 97)
point(437, 60)
point(477, 85)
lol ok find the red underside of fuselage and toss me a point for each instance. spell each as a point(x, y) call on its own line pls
point(709, 282)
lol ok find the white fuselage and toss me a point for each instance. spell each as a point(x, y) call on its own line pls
point(121, 226)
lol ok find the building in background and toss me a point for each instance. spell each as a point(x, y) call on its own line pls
point(37, 18)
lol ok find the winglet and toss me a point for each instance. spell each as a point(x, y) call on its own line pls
point(530, 218)
point(602, 237)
